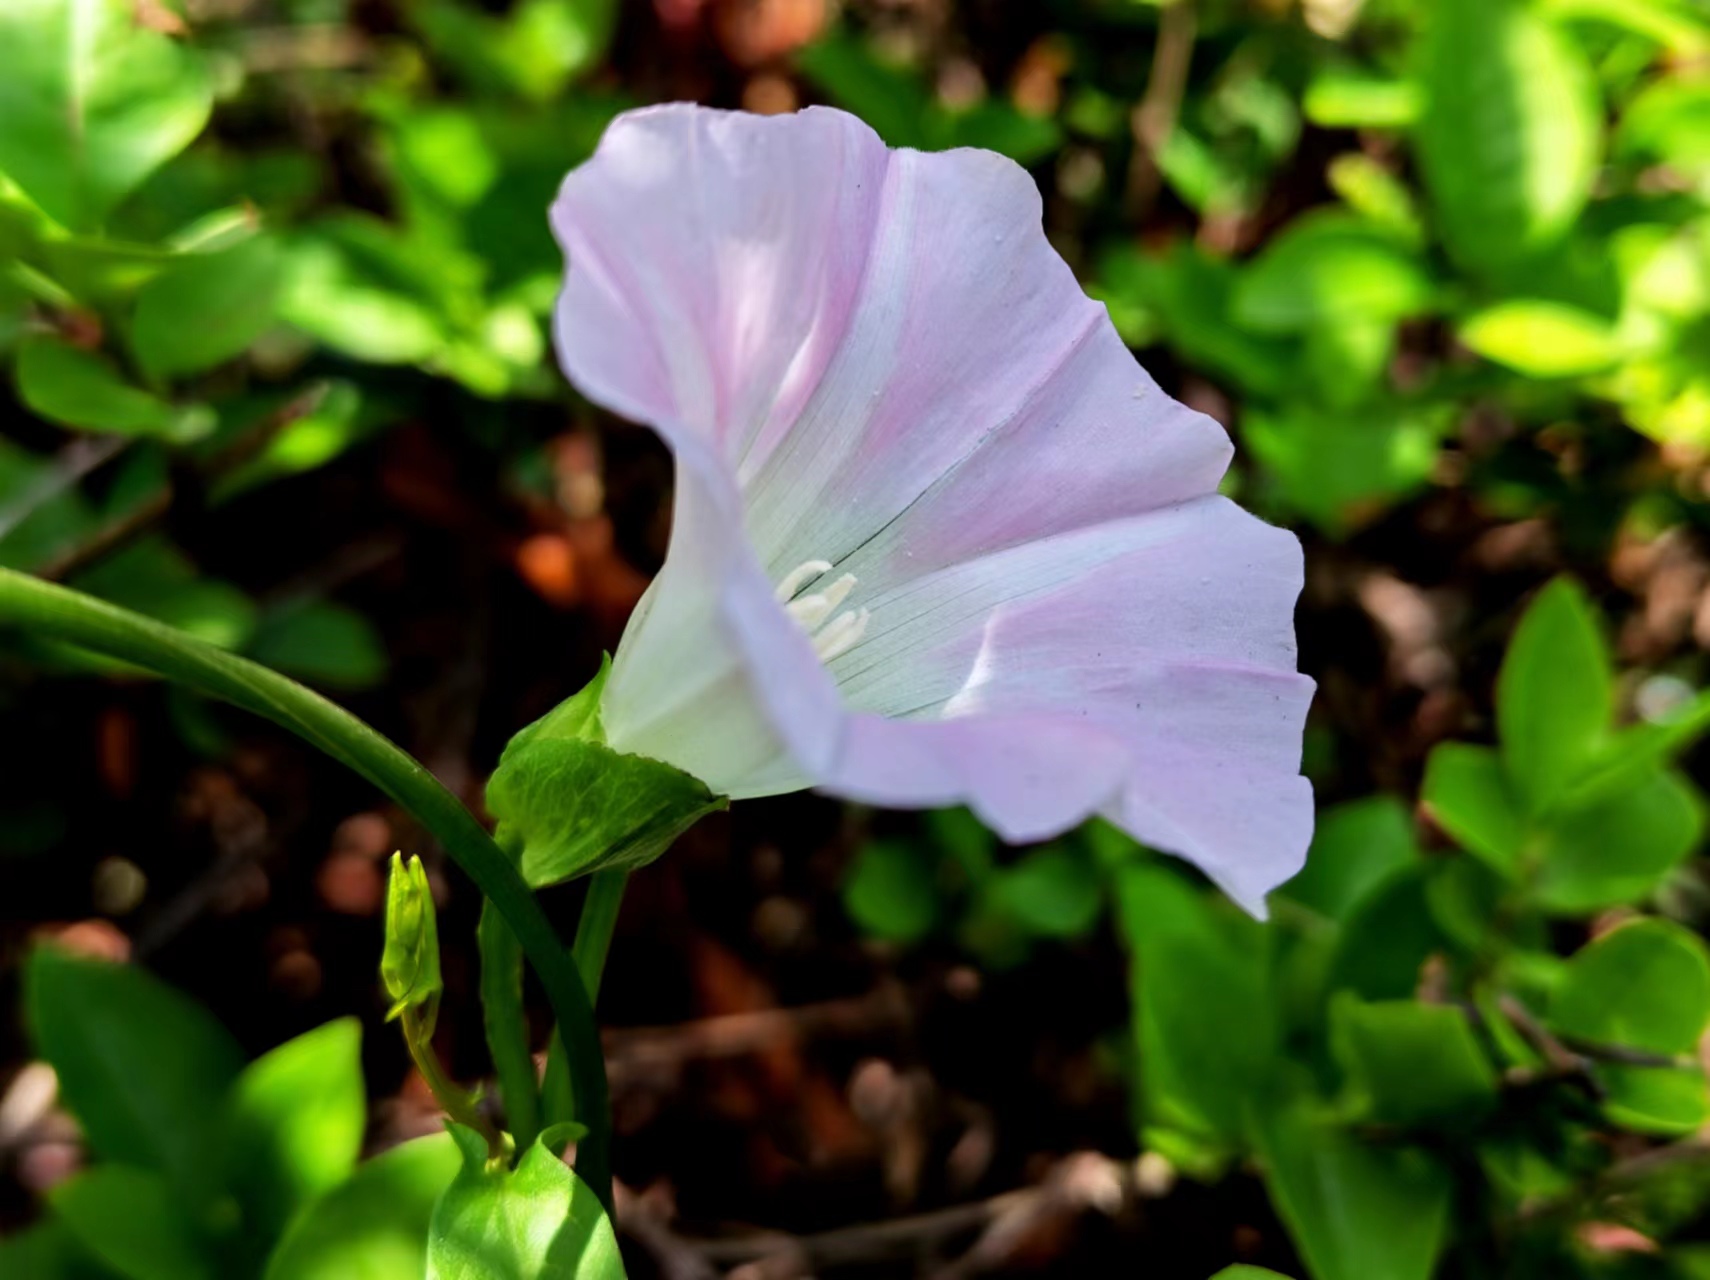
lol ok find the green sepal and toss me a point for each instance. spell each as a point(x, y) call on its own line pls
point(409, 964)
point(568, 805)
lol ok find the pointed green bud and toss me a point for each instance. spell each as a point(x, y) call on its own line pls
point(409, 966)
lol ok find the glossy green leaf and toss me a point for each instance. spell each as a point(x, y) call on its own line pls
point(80, 389)
point(1468, 792)
point(208, 308)
point(1555, 694)
point(572, 805)
point(294, 1124)
point(141, 1067)
point(1618, 849)
point(1356, 1211)
point(1543, 339)
point(1413, 1064)
point(539, 1222)
point(1355, 848)
point(1510, 132)
point(1644, 985)
point(375, 1226)
point(1329, 266)
point(92, 103)
point(890, 891)
point(134, 1222)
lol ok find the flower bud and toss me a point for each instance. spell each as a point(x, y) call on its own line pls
point(409, 965)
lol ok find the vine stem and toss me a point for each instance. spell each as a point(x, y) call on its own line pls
point(74, 618)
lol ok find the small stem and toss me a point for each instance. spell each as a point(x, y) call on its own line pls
point(78, 619)
point(593, 941)
point(452, 1097)
point(507, 1026)
point(599, 920)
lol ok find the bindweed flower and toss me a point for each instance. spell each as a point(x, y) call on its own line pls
point(937, 539)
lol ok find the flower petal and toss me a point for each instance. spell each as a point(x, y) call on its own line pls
point(714, 262)
point(1165, 638)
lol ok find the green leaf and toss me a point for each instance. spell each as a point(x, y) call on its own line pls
point(1510, 131)
point(1205, 1025)
point(1342, 468)
point(322, 643)
point(77, 388)
point(1617, 849)
point(135, 1223)
point(375, 1226)
point(573, 806)
point(348, 285)
point(1054, 892)
point(1670, 120)
point(141, 1067)
point(1413, 1064)
point(1388, 937)
point(1329, 266)
point(889, 891)
point(49, 1251)
point(294, 1124)
point(539, 1222)
point(1355, 1211)
point(1644, 985)
point(208, 308)
point(1356, 847)
point(92, 103)
point(1667, 1101)
point(1543, 339)
point(153, 577)
point(1344, 98)
point(1555, 694)
point(1241, 1272)
point(1468, 793)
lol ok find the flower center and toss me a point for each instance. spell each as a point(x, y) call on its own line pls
point(832, 633)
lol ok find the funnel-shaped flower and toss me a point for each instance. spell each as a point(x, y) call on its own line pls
point(938, 539)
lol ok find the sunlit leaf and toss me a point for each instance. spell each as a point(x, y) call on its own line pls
point(92, 102)
point(1511, 128)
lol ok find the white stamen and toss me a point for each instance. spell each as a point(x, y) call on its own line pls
point(799, 577)
point(811, 612)
point(842, 634)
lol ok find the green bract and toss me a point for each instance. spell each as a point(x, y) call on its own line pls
point(568, 805)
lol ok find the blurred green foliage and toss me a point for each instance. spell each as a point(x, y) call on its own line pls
point(1412, 249)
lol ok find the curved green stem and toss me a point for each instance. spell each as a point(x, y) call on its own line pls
point(507, 1026)
point(451, 1096)
point(593, 940)
point(594, 930)
point(80, 620)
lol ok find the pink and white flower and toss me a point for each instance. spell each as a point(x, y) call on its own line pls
point(938, 539)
